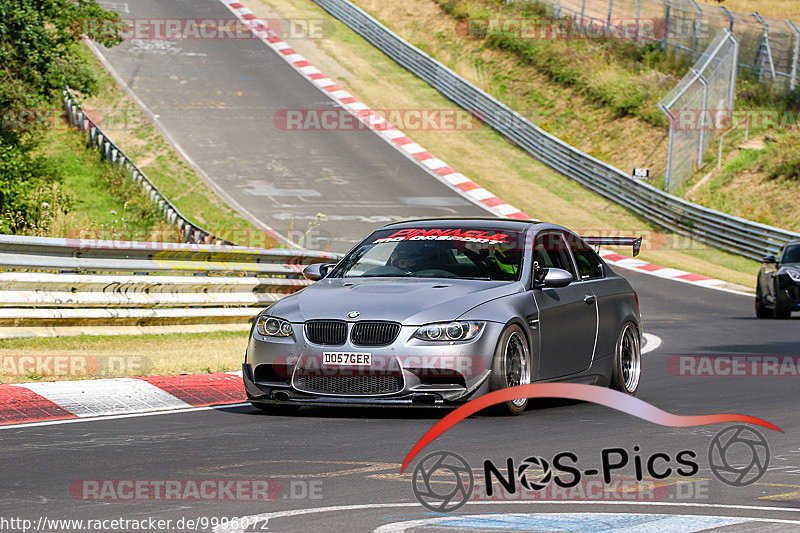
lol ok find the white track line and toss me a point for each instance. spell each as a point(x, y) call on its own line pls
point(265, 517)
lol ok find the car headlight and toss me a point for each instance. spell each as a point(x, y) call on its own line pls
point(449, 331)
point(794, 274)
point(271, 326)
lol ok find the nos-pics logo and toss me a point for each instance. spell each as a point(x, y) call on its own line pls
point(443, 481)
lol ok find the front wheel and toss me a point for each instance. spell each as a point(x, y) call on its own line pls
point(627, 361)
point(511, 366)
point(780, 311)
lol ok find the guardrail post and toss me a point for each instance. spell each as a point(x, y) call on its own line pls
point(795, 54)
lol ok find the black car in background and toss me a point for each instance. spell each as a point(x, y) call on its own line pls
point(778, 286)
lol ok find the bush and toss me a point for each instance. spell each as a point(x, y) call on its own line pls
point(38, 51)
point(784, 160)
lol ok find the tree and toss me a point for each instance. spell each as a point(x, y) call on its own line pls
point(39, 56)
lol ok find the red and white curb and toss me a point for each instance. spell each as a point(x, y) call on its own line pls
point(434, 166)
point(674, 274)
point(399, 140)
point(72, 400)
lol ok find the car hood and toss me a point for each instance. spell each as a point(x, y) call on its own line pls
point(408, 300)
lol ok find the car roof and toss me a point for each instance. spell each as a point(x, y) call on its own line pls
point(489, 223)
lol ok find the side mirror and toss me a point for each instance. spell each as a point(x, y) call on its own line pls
point(552, 278)
point(317, 271)
point(770, 259)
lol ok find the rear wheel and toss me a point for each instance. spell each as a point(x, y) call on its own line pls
point(627, 361)
point(761, 310)
point(511, 367)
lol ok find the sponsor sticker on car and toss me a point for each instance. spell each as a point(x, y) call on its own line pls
point(346, 359)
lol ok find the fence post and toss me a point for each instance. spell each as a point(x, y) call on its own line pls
point(702, 145)
point(638, 14)
point(765, 45)
point(667, 9)
point(795, 53)
point(608, 19)
point(583, 12)
point(558, 8)
point(670, 144)
point(730, 17)
point(734, 69)
point(698, 25)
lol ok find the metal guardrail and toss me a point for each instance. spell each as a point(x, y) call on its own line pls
point(64, 282)
point(734, 234)
point(78, 118)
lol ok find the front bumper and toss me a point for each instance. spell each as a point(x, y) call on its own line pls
point(418, 373)
point(788, 293)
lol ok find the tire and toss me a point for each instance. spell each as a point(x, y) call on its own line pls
point(276, 409)
point(761, 310)
point(627, 371)
point(511, 366)
point(780, 311)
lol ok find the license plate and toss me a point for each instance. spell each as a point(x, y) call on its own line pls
point(346, 359)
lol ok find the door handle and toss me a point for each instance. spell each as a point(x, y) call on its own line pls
point(589, 298)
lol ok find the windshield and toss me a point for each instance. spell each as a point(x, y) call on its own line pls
point(791, 254)
point(452, 252)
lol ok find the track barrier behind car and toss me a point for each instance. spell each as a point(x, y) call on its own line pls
point(743, 237)
point(48, 283)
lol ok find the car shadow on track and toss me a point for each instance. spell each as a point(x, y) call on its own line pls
point(386, 413)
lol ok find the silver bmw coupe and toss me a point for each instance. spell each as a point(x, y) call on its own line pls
point(437, 312)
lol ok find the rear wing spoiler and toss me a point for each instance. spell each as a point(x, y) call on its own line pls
point(636, 242)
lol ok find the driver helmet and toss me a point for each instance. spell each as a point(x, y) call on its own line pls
point(507, 259)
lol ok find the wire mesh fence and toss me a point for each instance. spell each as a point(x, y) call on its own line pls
point(769, 47)
point(700, 107)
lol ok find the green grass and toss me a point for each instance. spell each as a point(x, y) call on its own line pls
point(106, 356)
point(91, 197)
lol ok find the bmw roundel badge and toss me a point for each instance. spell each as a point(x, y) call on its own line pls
point(353, 314)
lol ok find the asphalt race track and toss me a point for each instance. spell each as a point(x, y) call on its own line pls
point(217, 98)
point(339, 469)
point(351, 457)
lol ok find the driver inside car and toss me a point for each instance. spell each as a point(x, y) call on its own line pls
point(507, 260)
point(414, 257)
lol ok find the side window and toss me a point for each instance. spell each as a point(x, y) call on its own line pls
point(550, 251)
point(589, 264)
